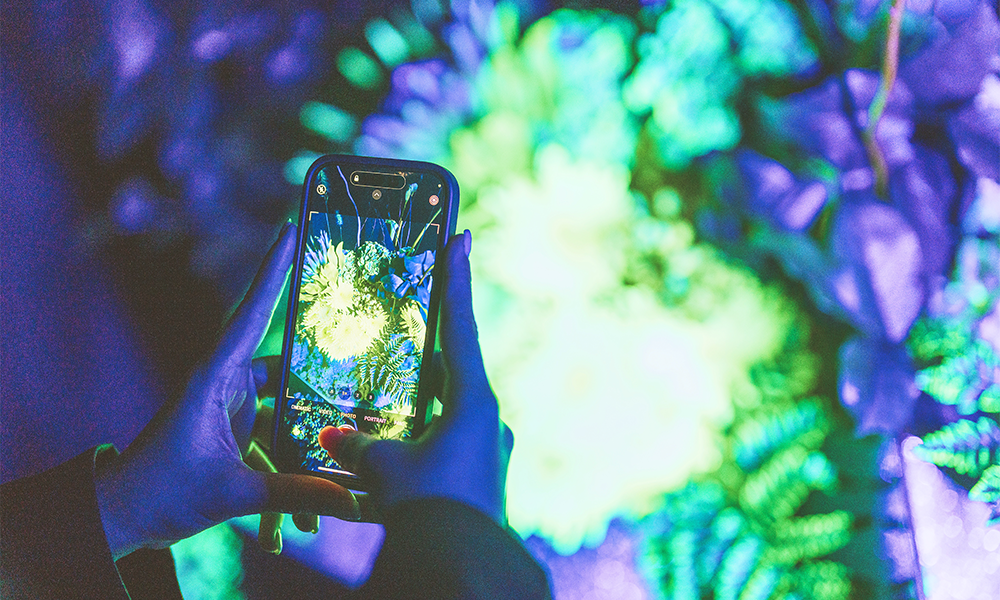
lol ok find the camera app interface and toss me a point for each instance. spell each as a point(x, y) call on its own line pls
point(362, 306)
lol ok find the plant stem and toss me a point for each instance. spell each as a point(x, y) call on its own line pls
point(890, 63)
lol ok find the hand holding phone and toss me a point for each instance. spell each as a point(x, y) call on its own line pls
point(463, 456)
point(184, 472)
point(363, 307)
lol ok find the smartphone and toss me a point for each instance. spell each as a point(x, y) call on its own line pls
point(362, 306)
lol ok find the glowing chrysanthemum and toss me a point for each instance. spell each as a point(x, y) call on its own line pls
point(342, 318)
point(341, 335)
point(614, 396)
point(329, 288)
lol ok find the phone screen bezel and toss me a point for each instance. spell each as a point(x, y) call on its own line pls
point(284, 449)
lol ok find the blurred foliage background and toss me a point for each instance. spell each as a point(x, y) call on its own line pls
point(736, 263)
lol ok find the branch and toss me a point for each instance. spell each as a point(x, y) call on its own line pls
point(890, 63)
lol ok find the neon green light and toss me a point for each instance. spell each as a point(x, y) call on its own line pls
point(387, 43)
point(328, 121)
point(613, 396)
point(296, 167)
point(208, 564)
point(359, 68)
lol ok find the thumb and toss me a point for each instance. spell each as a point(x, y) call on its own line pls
point(355, 451)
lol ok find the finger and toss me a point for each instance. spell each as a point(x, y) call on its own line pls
point(269, 532)
point(462, 357)
point(250, 321)
point(507, 435)
point(288, 493)
point(242, 415)
point(266, 375)
point(375, 460)
point(306, 523)
point(349, 448)
point(371, 511)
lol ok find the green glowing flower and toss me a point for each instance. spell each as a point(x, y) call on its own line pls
point(693, 66)
point(571, 348)
point(561, 84)
point(341, 313)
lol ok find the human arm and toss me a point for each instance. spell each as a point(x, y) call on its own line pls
point(52, 542)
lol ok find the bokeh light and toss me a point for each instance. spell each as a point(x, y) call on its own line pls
point(736, 262)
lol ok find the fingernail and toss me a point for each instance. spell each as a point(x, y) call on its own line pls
point(276, 549)
point(330, 438)
point(314, 530)
point(467, 238)
point(355, 510)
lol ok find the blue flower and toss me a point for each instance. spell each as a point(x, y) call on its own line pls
point(299, 353)
point(414, 279)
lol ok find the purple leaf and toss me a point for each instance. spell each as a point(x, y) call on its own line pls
point(418, 264)
point(881, 261)
point(951, 68)
point(804, 260)
point(981, 208)
point(876, 385)
point(952, 13)
point(775, 194)
point(814, 120)
point(975, 129)
point(396, 284)
point(924, 191)
point(818, 121)
point(895, 128)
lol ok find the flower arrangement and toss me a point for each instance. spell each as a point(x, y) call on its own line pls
point(661, 197)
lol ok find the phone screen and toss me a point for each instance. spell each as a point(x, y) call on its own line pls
point(362, 306)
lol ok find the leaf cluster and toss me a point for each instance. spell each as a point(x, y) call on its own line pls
point(970, 448)
point(741, 534)
point(390, 365)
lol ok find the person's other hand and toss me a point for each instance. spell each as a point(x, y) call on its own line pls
point(185, 472)
point(463, 455)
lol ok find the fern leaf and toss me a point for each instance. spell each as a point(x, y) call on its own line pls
point(810, 537)
point(762, 583)
point(951, 382)
point(696, 504)
point(823, 580)
point(756, 439)
point(962, 378)
point(682, 583)
point(737, 565)
point(384, 367)
point(780, 487)
point(728, 524)
point(966, 446)
point(930, 339)
point(987, 489)
point(989, 400)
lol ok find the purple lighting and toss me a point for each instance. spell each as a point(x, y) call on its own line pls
point(958, 555)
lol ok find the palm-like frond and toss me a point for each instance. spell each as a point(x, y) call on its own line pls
point(390, 366)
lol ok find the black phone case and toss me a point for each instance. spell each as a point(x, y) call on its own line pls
point(284, 453)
